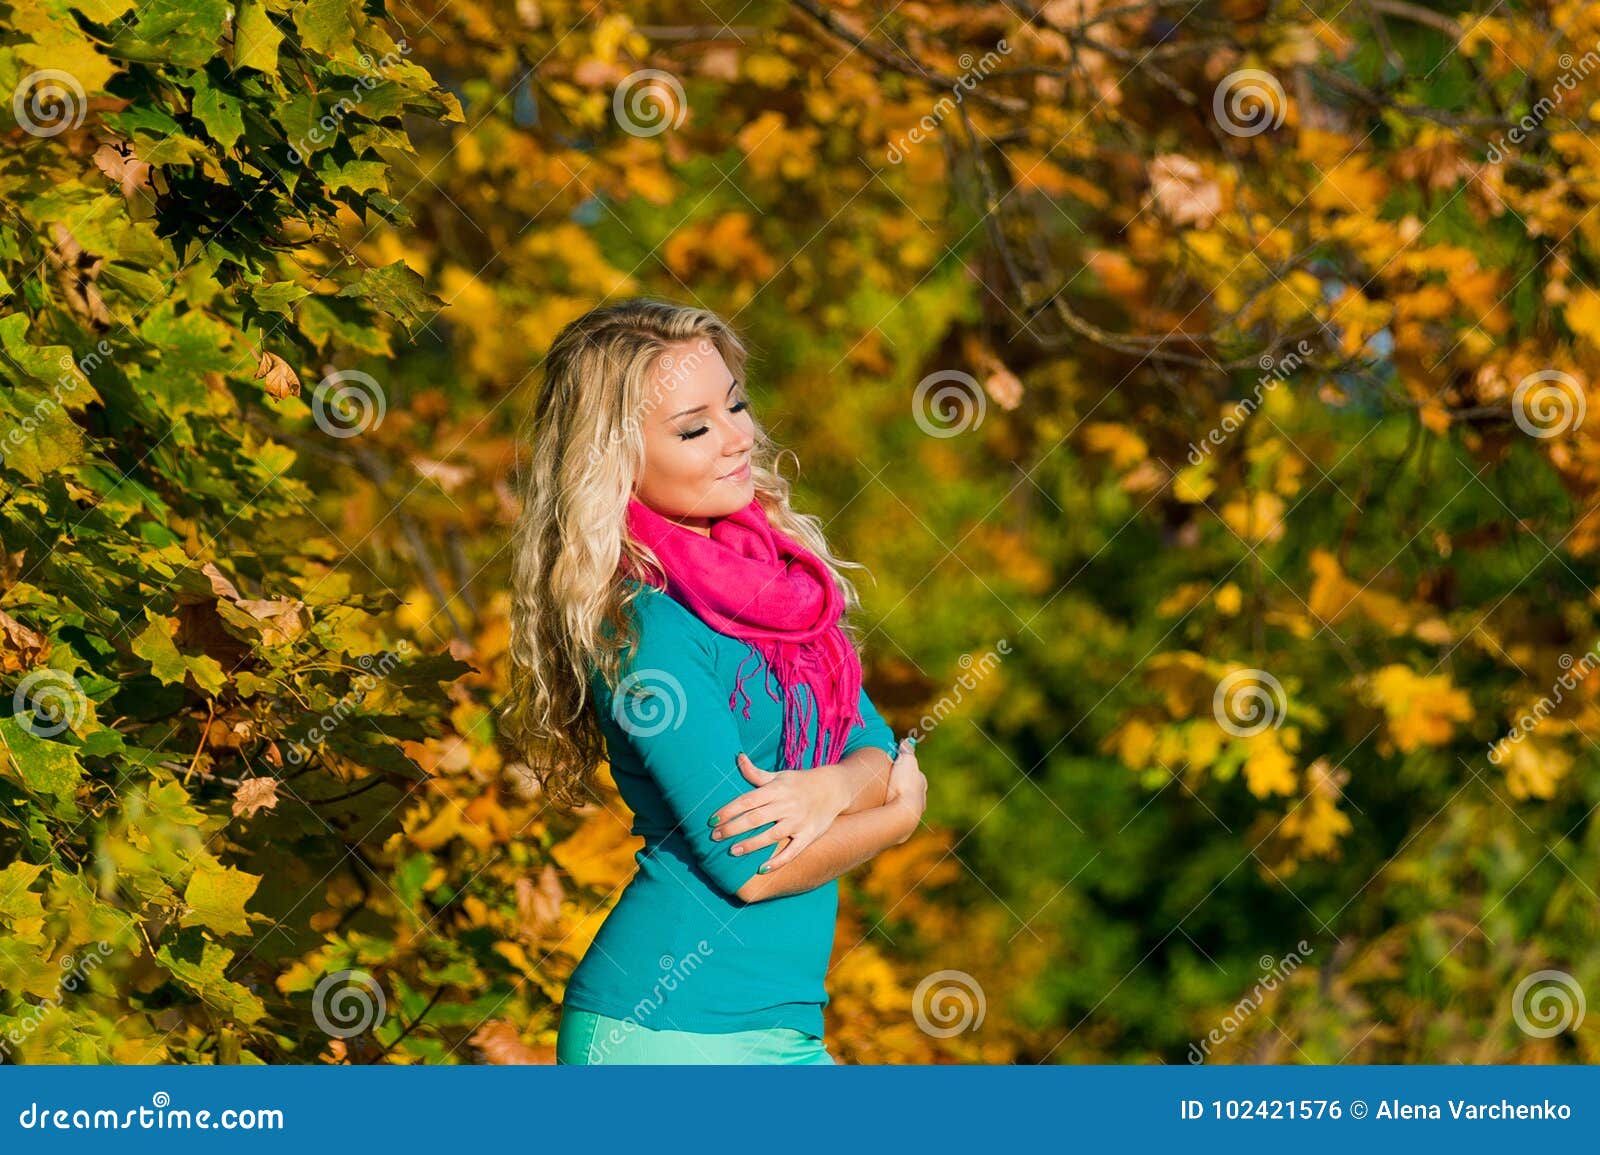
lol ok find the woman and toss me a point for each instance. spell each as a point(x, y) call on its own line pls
point(658, 570)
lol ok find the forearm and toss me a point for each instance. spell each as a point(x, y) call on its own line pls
point(850, 841)
point(863, 779)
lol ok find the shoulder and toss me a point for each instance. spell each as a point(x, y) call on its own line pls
point(666, 637)
point(659, 618)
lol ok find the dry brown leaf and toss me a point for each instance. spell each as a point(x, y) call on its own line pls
point(283, 619)
point(20, 647)
point(539, 906)
point(255, 794)
point(229, 732)
point(1184, 191)
point(1005, 387)
point(77, 271)
point(501, 1045)
point(220, 585)
point(448, 477)
point(281, 381)
point(118, 161)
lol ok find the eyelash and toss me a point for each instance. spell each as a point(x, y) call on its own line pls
point(691, 434)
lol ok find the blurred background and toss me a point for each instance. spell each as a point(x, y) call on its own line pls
point(1204, 386)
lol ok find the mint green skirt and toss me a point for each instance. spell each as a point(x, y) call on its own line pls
point(588, 1039)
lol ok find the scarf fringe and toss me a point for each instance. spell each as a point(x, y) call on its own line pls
point(799, 709)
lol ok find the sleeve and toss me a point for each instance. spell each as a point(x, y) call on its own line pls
point(873, 731)
point(671, 711)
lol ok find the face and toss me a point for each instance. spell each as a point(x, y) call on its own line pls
point(698, 438)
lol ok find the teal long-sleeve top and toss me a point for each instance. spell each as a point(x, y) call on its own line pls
point(680, 950)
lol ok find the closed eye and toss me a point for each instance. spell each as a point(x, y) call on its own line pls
point(691, 434)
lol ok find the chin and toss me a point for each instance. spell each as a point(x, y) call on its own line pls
point(730, 500)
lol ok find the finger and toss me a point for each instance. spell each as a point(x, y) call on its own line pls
point(752, 772)
point(749, 800)
point(749, 820)
point(757, 841)
point(787, 853)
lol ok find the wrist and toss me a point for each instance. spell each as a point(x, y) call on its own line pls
point(907, 816)
point(840, 790)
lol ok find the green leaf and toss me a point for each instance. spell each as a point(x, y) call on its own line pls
point(277, 297)
point(48, 364)
point(202, 966)
point(326, 26)
point(17, 901)
point(358, 175)
point(326, 320)
point(181, 32)
point(219, 112)
point(25, 970)
point(396, 290)
point(256, 39)
point(46, 769)
point(138, 284)
point(215, 899)
point(155, 645)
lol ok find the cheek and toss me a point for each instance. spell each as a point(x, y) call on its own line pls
point(671, 463)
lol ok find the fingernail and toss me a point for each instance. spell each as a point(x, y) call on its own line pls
point(716, 836)
point(712, 821)
point(736, 850)
point(762, 869)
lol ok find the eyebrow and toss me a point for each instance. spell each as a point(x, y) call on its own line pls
point(698, 408)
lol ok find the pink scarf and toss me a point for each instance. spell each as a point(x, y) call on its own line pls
point(750, 581)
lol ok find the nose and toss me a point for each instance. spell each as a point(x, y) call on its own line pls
point(736, 454)
point(739, 442)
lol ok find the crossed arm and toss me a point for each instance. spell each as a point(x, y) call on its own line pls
point(876, 815)
point(828, 819)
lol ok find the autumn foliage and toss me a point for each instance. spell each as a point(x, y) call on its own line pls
point(1226, 362)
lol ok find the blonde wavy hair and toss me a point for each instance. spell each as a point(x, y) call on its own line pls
point(568, 596)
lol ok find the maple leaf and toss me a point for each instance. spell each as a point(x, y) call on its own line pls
point(253, 794)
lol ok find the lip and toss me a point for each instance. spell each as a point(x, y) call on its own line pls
point(740, 474)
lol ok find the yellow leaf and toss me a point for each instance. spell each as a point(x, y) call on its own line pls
point(1133, 743)
point(440, 829)
point(600, 853)
point(1269, 768)
point(1422, 710)
point(1124, 446)
point(1256, 519)
point(1583, 315)
point(1533, 766)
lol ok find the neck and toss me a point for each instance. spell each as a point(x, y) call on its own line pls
point(700, 525)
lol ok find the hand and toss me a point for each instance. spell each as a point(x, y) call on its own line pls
point(908, 787)
point(800, 804)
